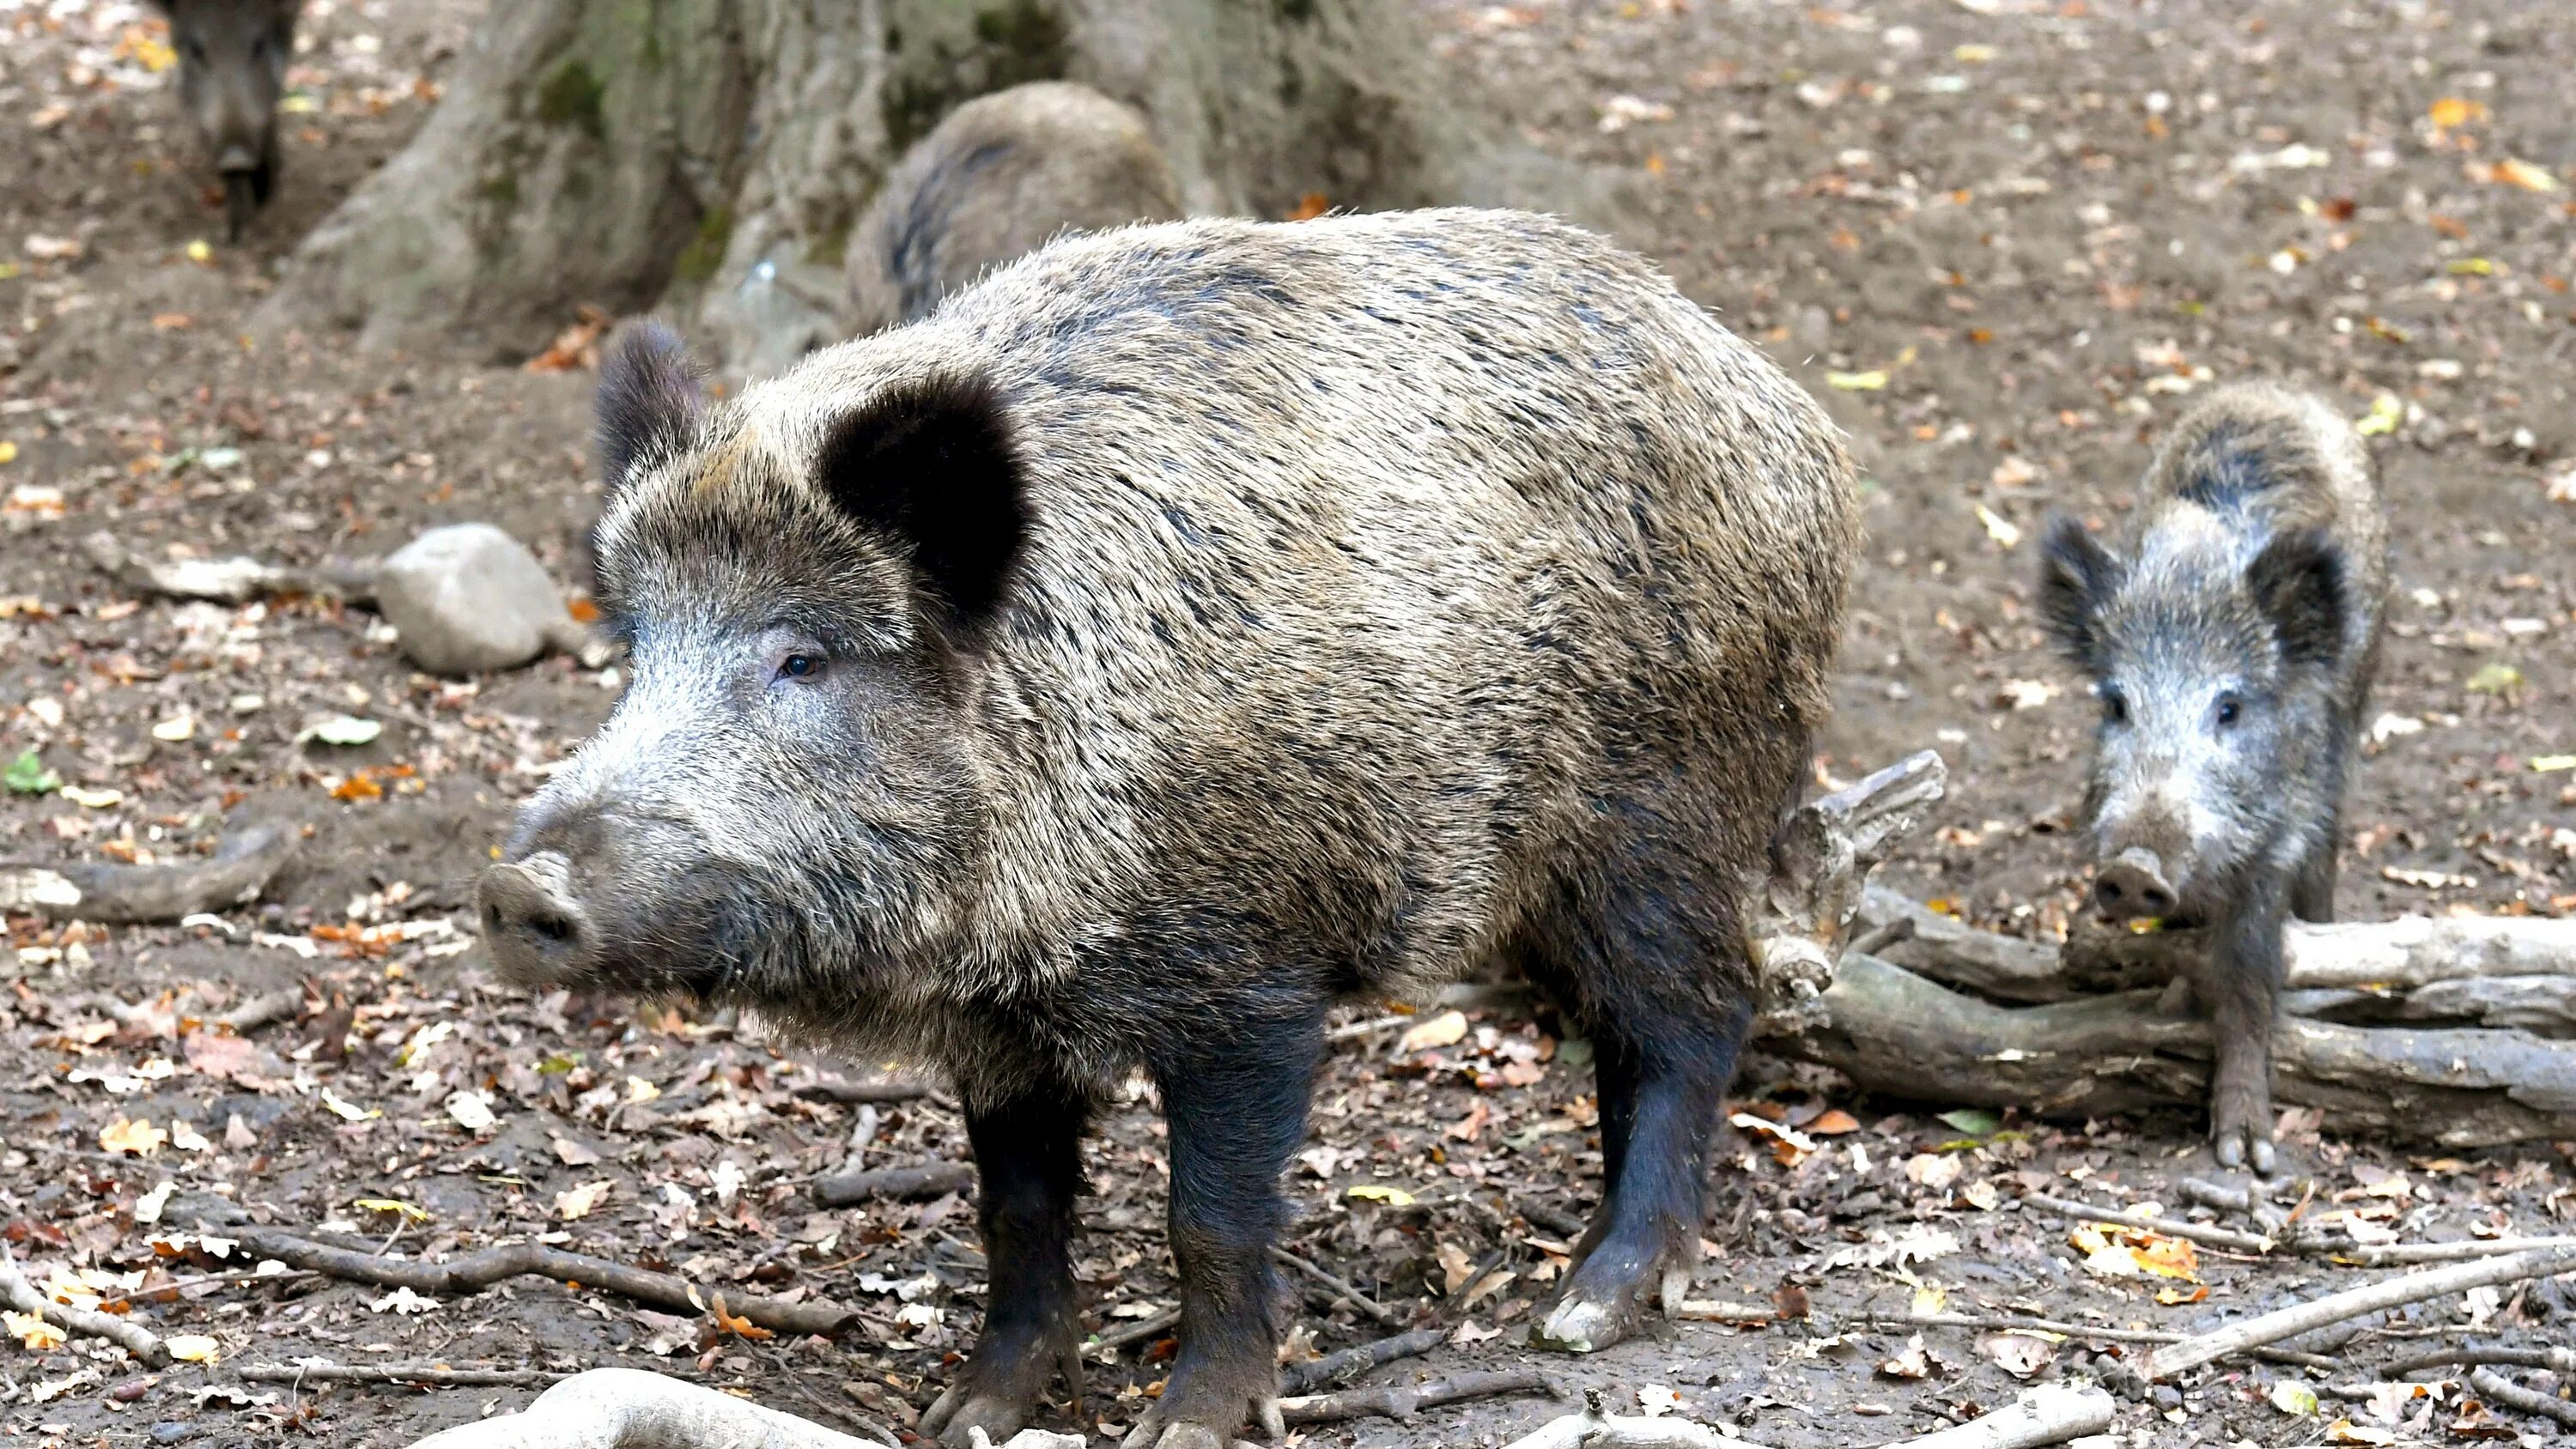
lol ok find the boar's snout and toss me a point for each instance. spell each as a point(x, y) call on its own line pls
point(535, 928)
point(2133, 886)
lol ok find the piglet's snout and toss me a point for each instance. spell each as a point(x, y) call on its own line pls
point(2133, 886)
point(536, 929)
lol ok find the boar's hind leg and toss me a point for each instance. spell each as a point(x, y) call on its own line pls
point(1652, 966)
point(1028, 1158)
point(2243, 991)
point(1235, 1110)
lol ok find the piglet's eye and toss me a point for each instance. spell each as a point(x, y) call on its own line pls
point(801, 666)
point(2229, 708)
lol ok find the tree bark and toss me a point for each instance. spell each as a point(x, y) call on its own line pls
point(710, 157)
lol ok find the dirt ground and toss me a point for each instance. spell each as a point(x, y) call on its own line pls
point(2004, 240)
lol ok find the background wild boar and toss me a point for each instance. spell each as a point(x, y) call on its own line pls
point(2232, 642)
point(1000, 177)
point(232, 70)
point(1185, 628)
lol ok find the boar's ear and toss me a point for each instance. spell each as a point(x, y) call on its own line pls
point(2076, 577)
point(2297, 581)
point(648, 401)
point(931, 463)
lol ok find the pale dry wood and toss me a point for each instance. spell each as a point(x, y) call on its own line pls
point(629, 1409)
point(430, 1375)
point(1336, 1369)
point(2172, 1228)
point(1403, 1401)
point(2382, 1255)
point(2334, 1308)
point(1821, 859)
point(130, 894)
point(2498, 1389)
point(899, 1184)
point(2562, 1360)
point(125, 1333)
point(1990, 1323)
point(2049, 1414)
point(225, 580)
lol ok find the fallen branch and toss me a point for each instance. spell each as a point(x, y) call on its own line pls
point(1718, 1310)
point(1343, 1290)
point(2195, 1232)
point(630, 1409)
point(2380, 1255)
point(1892, 1031)
point(260, 1011)
point(235, 580)
point(2352, 1303)
point(901, 1184)
point(2498, 1389)
point(1821, 859)
point(833, 1089)
point(477, 1271)
point(2091, 1331)
point(436, 1376)
point(1137, 1332)
point(1403, 1401)
point(1336, 1369)
point(2561, 1359)
point(1595, 1429)
point(125, 894)
point(26, 1297)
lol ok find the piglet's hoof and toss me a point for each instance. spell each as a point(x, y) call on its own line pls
point(2240, 1132)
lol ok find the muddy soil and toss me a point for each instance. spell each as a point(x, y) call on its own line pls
point(2004, 241)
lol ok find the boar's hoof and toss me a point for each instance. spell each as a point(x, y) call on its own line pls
point(2133, 887)
point(2240, 1134)
point(534, 927)
point(1189, 1417)
point(1591, 1317)
point(1000, 1400)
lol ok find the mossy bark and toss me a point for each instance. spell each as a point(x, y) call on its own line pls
point(709, 157)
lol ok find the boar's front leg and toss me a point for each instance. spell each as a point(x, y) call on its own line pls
point(1236, 1110)
point(2243, 990)
point(1028, 1159)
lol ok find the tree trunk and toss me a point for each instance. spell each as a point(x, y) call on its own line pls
point(710, 157)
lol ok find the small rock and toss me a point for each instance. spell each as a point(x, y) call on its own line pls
point(469, 599)
point(171, 1431)
point(2168, 1397)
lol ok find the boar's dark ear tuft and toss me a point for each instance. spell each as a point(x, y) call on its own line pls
point(2298, 583)
point(2076, 577)
point(649, 400)
point(931, 462)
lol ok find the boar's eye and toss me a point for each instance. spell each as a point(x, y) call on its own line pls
point(801, 666)
point(2115, 706)
point(2228, 709)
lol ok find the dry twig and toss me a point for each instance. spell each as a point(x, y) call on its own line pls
point(834, 1089)
point(2391, 1254)
point(902, 1184)
point(430, 1375)
point(1347, 1293)
point(2093, 1331)
point(2194, 1232)
point(1141, 1330)
point(26, 1297)
point(2387, 1293)
point(2050, 1414)
point(1335, 1369)
point(2502, 1390)
point(2561, 1359)
point(1403, 1401)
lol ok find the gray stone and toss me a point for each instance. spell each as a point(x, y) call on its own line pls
point(469, 599)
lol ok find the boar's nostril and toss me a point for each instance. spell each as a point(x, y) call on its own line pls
point(532, 921)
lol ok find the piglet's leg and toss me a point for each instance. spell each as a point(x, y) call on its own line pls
point(1028, 1157)
point(2243, 989)
point(1236, 1110)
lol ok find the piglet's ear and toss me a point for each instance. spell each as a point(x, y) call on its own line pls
point(930, 462)
point(649, 401)
point(2298, 583)
point(2076, 577)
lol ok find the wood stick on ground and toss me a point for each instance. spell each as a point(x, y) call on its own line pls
point(2049, 1414)
point(431, 1375)
point(264, 1010)
point(2390, 1254)
point(1142, 1330)
point(2194, 1232)
point(1349, 1294)
point(900, 1184)
point(2352, 1303)
point(2499, 1389)
point(1403, 1401)
point(1718, 1310)
point(2093, 1331)
point(480, 1270)
point(834, 1089)
point(1539, 1215)
point(236, 580)
point(2561, 1359)
point(125, 1333)
point(129, 894)
point(1336, 1369)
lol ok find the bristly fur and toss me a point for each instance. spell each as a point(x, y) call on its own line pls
point(649, 401)
point(998, 178)
point(930, 462)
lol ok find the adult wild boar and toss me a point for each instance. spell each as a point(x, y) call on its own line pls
point(2232, 643)
point(1003, 175)
point(232, 70)
point(1185, 628)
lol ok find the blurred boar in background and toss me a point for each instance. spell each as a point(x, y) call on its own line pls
point(1000, 177)
point(1178, 631)
point(232, 70)
point(2231, 642)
